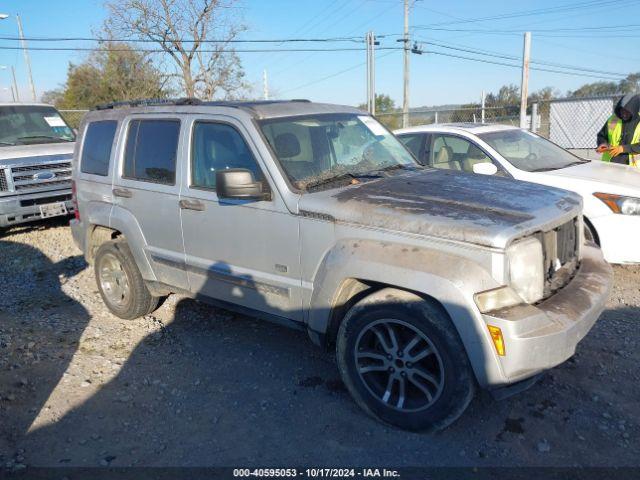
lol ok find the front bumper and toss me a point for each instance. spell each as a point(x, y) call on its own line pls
point(539, 337)
point(26, 208)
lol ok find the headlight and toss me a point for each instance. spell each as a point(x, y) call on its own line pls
point(526, 270)
point(620, 204)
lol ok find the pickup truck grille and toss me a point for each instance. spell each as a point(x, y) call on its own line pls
point(561, 255)
point(4, 186)
point(32, 177)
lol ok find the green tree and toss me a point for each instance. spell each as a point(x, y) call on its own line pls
point(386, 111)
point(116, 72)
point(384, 104)
point(630, 84)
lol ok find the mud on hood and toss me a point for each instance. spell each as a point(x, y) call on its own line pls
point(478, 209)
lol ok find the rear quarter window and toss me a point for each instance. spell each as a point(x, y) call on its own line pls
point(152, 147)
point(96, 147)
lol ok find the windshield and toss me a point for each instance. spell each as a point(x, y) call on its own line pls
point(323, 149)
point(31, 124)
point(529, 152)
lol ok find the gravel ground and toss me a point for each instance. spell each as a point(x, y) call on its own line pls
point(191, 385)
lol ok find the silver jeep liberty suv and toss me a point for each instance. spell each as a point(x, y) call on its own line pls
point(428, 283)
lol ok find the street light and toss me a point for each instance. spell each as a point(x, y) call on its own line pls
point(3, 16)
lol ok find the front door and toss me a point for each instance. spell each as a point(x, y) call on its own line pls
point(242, 252)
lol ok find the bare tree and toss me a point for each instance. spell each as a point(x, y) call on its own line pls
point(183, 29)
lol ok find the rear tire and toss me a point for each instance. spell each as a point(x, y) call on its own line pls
point(403, 362)
point(120, 283)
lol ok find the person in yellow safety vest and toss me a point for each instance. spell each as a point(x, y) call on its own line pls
point(619, 139)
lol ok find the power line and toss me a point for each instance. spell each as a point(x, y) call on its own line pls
point(630, 27)
point(353, 67)
point(148, 40)
point(536, 62)
point(527, 13)
point(540, 69)
point(379, 14)
point(159, 50)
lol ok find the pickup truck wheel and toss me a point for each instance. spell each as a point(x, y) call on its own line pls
point(403, 361)
point(120, 283)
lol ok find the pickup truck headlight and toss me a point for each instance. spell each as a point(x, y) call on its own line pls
point(619, 203)
point(526, 270)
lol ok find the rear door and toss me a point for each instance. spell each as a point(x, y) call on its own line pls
point(147, 186)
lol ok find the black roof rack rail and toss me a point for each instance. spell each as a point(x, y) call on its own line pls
point(155, 102)
point(148, 102)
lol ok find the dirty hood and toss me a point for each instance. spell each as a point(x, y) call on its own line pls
point(478, 209)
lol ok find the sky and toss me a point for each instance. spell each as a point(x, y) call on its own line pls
point(586, 40)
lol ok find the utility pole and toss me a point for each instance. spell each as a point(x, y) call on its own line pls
point(265, 84)
point(524, 86)
point(405, 99)
point(368, 79)
point(15, 84)
point(370, 39)
point(26, 58)
point(482, 100)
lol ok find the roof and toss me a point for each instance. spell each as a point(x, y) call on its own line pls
point(24, 104)
point(258, 109)
point(475, 128)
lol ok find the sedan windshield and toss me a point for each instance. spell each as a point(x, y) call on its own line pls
point(529, 152)
point(321, 150)
point(31, 124)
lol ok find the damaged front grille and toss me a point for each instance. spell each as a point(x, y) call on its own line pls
point(561, 255)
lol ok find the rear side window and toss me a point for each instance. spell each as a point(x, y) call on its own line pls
point(152, 147)
point(96, 149)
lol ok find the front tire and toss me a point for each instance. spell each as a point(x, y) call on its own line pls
point(120, 283)
point(403, 362)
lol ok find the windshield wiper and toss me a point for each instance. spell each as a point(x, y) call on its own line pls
point(7, 143)
point(545, 169)
point(48, 137)
point(577, 162)
point(329, 180)
point(397, 166)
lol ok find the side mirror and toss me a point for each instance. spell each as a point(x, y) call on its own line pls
point(485, 168)
point(238, 183)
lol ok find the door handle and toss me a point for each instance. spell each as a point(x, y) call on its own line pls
point(196, 205)
point(122, 192)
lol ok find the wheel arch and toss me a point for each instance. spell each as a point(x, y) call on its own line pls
point(591, 227)
point(348, 274)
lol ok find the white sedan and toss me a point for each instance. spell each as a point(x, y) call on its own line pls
point(611, 192)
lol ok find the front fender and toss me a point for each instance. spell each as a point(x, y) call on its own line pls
point(450, 279)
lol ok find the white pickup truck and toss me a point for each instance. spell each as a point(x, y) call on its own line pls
point(36, 148)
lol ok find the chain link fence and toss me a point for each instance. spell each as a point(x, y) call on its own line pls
point(572, 123)
point(73, 117)
point(506, 115)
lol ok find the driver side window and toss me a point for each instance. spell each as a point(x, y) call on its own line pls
point(455, 153)
point(217, 146)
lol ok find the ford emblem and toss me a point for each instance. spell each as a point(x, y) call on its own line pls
point(43, 176)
